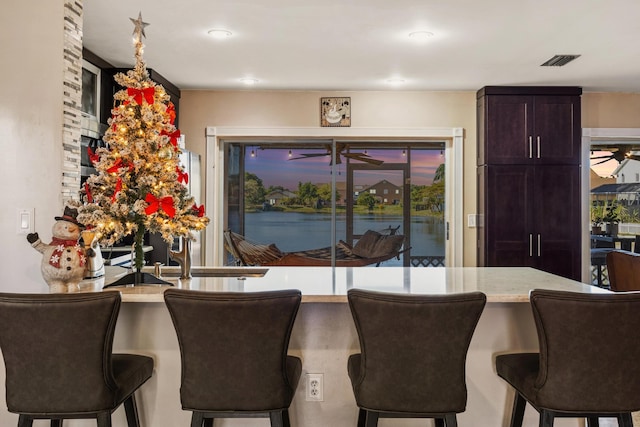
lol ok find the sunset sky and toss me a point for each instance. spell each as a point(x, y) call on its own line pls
point(275, 168)
point(604, 169)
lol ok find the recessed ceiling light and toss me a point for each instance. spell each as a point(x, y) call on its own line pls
point(249, 81)
point(219, 34)
point(420, 35)
point(395, 82)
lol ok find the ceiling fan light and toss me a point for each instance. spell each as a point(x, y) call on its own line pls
point(420, 35)
point(218, 33)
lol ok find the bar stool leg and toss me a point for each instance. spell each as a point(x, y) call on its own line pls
point(25, 421)
point(450, 420)
point(276, 418)
point(625, 420)
point(546, 418)
point(372, 419)
point(197, 419)
point(517, 413)
point(104, 419)
point(131, 410)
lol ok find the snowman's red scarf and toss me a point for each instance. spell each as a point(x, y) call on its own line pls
point(60, 245)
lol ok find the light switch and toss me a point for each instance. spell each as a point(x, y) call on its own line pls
point(25, 221)
point(471, 221)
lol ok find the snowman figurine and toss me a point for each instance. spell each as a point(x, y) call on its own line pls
point(63, 260)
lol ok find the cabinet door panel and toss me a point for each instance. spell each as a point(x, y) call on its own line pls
point(557, 130)
point(508, 128)
point(557, 219)
point(507, 216)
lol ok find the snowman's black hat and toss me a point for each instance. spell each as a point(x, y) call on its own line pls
point(70, 215)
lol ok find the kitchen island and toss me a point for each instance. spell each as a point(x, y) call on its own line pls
point(324, 336)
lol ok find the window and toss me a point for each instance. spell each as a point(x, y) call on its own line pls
point(372, 191)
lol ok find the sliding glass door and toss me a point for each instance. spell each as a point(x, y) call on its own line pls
point(300, 196)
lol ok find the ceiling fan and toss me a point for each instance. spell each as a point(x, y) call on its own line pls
point(362, 157)
point(618, 153)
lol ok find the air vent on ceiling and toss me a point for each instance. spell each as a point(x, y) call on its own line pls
point(559, 60)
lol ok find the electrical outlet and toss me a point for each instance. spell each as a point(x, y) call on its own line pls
point(315, 383)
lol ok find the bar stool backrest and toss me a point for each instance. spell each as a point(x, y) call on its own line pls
point(57, 351)
point(588, 351)
point(234, 348)
point(414, 349)
point(624, 271)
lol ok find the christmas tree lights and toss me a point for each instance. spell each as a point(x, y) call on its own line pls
point(140, 185)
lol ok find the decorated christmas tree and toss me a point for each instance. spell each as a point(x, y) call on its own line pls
point(139, 185)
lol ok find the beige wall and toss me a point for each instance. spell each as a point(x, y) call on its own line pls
point(31, 36)
point(199, 109)
point(611, 110)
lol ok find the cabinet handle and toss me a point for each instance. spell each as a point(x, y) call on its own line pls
point(530, 245)
point(538, 138)
point(538, 246)
point(530, 147)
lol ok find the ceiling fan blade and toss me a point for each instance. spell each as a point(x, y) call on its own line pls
point(308, 156)
point(601, 157)
point(375, 162)
point(363, 158)
point(602, 161)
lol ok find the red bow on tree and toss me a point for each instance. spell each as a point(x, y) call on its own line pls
point(139, 94)
point(92, 156)
point(182, 176)
point(165, 203)
point(87, 190)
point(119, 164)
point(117, 190)
point(198, 210)
point(171, 111)
point(173, 137)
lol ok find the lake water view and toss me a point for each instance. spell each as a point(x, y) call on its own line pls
point(293, 231)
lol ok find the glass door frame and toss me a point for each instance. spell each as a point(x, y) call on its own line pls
point(215, 160)
point(406, 199)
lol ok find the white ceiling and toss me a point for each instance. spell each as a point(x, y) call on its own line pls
point(360, 44)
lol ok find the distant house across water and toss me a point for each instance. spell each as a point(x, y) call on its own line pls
point(275, 197)
point(385, 192)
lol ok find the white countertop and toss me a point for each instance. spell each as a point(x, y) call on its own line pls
point(324, 284)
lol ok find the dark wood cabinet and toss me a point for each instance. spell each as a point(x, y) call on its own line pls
point(527, 128)
point(529, 179)
point(531, 218)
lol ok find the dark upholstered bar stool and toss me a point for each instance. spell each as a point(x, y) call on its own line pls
point(234, 353)
point(624, 271)
point(587, 366)
point(414, 349)
point(58, 359)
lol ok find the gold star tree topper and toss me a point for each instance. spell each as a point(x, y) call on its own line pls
point(139, 27)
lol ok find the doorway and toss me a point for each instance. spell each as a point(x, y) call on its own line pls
point(391, 193)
